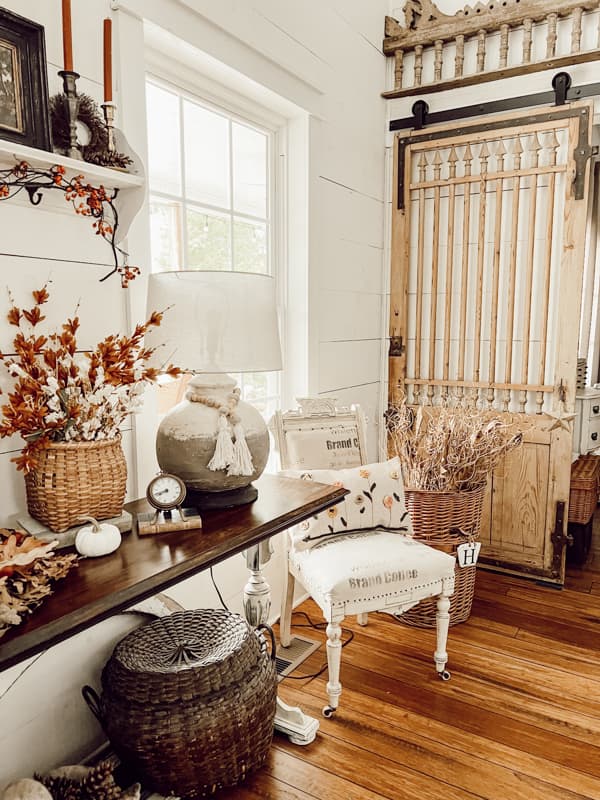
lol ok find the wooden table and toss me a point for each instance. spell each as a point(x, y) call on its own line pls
point(143, 566)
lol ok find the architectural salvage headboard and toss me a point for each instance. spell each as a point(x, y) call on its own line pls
point(498, 39)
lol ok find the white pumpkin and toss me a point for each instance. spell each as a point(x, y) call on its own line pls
point(97, 539)
point(26, 789)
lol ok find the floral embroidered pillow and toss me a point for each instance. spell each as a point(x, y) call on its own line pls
point(376, 500)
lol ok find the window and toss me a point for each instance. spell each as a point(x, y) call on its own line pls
point(211, 186)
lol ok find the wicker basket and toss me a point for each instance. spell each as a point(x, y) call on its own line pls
point(444, 520)
point(188, 701)
point(585, 483)
point(75, 479)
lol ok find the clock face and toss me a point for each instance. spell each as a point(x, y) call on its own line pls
point(166, 491)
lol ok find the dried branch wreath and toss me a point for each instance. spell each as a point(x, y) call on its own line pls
point(87, 200)
point(96, 151)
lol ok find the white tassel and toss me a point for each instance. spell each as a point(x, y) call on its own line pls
point(242, 457)
point(224, 452)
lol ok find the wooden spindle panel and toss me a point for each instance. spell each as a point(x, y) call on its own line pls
point(437, 67)
point(418, 64)
point(399, 69)
point(527, 39)
point(551, 36)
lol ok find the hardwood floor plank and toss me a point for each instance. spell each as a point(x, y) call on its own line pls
point(440, 757)
point(447, 739)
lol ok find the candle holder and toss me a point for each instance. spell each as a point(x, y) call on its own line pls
point(109, 110)
point(72, 103)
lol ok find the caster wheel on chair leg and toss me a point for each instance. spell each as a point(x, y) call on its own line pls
point(328, 711)
point(445, 675)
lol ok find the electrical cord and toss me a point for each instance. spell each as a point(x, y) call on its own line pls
point(319, 626)
point(212, 577)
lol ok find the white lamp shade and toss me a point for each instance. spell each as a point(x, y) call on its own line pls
point(216, 321)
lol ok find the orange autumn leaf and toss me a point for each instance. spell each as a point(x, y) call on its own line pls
point(40, 295)
point(14, 316)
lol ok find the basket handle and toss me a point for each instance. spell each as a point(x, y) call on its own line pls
point(263, 627)
point(90, 695)
point(470, 535)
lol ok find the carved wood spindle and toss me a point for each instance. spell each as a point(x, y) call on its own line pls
point(435, 268)
point(459, 60)
point(551, 36)
point(452, 160)
point(527, 38)
point(437, 69)
point(484, 155)
point(552, 145)
point(500, 155)
point(464, 281)
point(422, 165)
point(504, 29)
point(418, 64)
point(576, 30)
point(517, 151)
point(534, 160)
point(398, 68)
point(481, 37)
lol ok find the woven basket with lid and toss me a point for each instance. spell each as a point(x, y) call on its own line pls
point(188, 701)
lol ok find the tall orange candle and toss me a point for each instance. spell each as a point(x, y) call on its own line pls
point(108, 61)
point(67, 36)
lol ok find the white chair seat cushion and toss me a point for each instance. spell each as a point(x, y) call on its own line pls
point(376, 567)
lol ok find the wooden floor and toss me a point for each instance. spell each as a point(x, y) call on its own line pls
point(519, 720)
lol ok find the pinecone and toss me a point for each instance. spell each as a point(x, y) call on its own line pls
point(61, 788)
point(100, 784)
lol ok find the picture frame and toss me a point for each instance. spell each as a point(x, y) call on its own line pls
point(24, 116)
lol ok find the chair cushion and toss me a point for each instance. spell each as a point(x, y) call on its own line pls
point(375, 566)
point(376, 499)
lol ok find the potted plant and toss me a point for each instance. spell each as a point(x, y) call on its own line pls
point(68, 406)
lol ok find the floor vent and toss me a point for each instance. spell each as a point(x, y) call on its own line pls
point(289, 658)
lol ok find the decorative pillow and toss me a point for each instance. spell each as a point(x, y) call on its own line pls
point(334, 448)
point(376, 500)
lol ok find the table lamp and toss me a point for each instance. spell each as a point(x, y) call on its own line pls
point(219, 322)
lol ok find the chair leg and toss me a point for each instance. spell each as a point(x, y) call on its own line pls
point(362, 619)
point(287, 604)
point(442, 623)
point(334, 657)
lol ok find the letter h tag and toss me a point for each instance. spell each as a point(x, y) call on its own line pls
point(467, 553)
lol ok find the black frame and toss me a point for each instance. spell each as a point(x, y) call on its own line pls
point(27, 39)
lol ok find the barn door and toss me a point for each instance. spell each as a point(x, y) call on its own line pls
point(487, 261)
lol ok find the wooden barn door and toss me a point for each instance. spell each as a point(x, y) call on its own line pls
point(487, 260)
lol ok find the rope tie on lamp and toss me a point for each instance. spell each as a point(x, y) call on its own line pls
point(234, 456)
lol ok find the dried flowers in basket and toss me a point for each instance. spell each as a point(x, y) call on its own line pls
point(28, 569)
point(447, 455)
point(448, 449)
point(68, 406)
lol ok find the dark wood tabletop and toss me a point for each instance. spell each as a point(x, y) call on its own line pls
point(96, 588)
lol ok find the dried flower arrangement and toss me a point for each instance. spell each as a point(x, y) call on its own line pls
point(28, 569)
point(61, 395)
point(450, 448)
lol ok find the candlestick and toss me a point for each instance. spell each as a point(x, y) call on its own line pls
point(107, 60)
point(109, 120)
point(67, 36)
point(72, 99)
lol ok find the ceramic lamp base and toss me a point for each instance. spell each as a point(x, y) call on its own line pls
point(205, 501)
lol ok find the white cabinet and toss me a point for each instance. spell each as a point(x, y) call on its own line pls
point(586, 436)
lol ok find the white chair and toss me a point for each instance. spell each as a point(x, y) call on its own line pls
point(356, 569)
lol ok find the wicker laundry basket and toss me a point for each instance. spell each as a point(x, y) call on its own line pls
point(444, 520)
point(585, 485)
point(188, 701)
point(75, 479)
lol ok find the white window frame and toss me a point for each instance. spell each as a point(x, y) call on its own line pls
point(250, 114)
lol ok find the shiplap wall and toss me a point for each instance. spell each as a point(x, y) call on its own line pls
point(323, 57)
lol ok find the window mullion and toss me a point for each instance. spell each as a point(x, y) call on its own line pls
point(184, 214)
